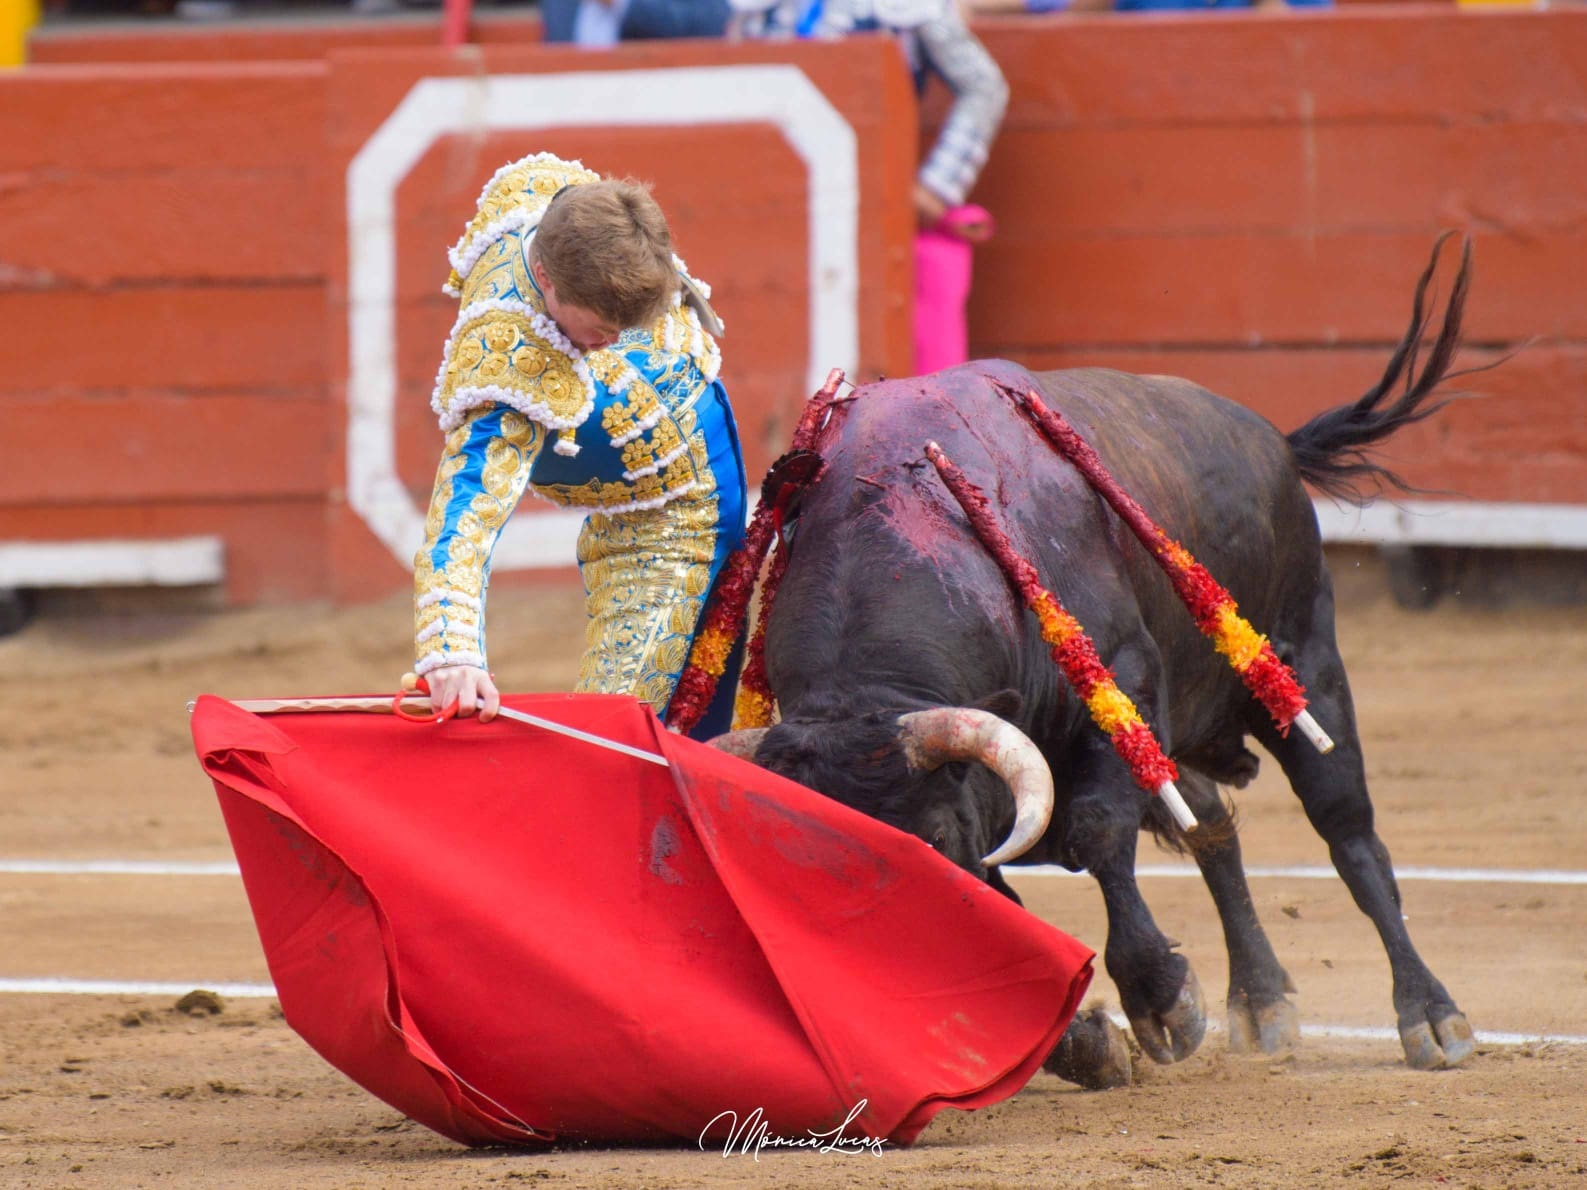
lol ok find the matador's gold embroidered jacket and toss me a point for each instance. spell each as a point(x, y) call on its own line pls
point(641, 436)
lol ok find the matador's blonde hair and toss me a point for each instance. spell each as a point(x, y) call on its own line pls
point(605, 246)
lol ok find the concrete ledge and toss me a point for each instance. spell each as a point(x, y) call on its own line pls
point(1455, 523)
point(175, 562)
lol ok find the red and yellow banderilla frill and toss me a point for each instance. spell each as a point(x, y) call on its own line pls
point(724, 617)
point(1211, 606)
point(720, 626)
point(1111, 709)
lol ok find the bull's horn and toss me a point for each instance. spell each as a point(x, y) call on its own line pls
point(932, 738)
point(741, 743)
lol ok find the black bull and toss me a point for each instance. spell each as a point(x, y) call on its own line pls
point(891, 605)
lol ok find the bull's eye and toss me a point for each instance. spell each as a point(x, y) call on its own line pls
point(939, 840)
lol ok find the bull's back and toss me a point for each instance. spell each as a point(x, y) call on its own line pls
point(883, 550)
point(1215, 475)
point(885, 561)
point(877, 473)
point(1173, 444)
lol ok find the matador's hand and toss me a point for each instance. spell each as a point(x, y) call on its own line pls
point(469, 685)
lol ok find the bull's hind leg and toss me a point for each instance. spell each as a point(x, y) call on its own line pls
point(1260, 1016)
point(1333, 790)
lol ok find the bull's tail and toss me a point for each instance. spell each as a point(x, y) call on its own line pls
point(1332, 449)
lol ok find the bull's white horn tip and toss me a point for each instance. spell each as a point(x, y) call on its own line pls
point(1001, 856)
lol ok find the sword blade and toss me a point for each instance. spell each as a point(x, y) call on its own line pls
point(587, 737)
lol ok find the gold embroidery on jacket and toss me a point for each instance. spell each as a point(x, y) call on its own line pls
point(500, 350)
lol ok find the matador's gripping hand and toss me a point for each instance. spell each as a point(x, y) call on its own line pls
point(466, 687)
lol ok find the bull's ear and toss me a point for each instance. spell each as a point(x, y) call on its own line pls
point(797, 467)
point(1005, 704)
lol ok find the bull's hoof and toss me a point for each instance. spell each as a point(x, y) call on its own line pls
point(1449, 1042)
point(1174, 1035)
point(1457, 1038)
point(1092, 1053)
point(1272, 1029)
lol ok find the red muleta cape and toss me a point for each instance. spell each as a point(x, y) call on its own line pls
point(512, 936)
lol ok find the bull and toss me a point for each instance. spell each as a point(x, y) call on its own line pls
point(915, 687)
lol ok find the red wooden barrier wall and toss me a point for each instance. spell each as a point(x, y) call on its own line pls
point(736, 199)
point(173, 248)
point(1246, 199)
point(260, 41)
point(1241, 198)
point(164, 233)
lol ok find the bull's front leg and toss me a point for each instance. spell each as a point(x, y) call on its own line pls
point(1092, 1053)
point(1157, 988)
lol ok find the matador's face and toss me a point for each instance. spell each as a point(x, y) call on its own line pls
point(585, 329)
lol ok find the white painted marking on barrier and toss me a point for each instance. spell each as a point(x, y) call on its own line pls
point(780, 95)
point(118, 987)
point(1447, 875)
point(177, 562)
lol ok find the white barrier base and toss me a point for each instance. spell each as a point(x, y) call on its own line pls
point(173, 562)
point(1454, 523)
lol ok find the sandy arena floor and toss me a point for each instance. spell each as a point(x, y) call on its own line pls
point(1473, 726)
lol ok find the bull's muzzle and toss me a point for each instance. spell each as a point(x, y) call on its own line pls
point(741, 743)
point(930, 739)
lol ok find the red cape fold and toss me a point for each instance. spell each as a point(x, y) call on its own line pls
point(513, 936)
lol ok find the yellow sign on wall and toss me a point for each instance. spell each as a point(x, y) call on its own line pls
point(16, 18)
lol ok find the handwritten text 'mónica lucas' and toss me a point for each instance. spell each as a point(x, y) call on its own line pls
point(753, 1134)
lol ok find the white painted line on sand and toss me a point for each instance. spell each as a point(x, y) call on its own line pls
point(117, 867)
point(134, 987)
point(1379, 1033)
point(1484, 1037)
point(244, 991)
point(140, 867)
point(1319, 872)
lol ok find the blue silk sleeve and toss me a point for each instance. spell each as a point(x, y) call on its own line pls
point(483, 473)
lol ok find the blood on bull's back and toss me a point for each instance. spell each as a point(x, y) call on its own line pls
point(1217, 477)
